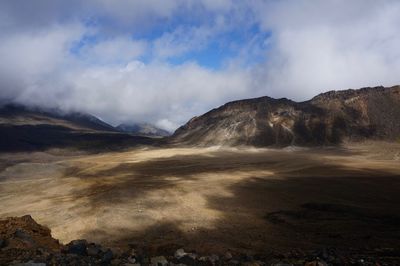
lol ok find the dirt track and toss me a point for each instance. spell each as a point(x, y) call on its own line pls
point(211, 199)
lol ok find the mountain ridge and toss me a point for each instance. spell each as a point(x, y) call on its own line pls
point(327, 119)
point(25, 128)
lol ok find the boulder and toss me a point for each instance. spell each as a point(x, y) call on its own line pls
point(93, 250)
point(107, 256)
point(228, 256)
point(179, 253)
point(77, 247)
point(159, 261)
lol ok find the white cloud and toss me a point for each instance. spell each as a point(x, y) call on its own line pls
point(115, 50)
point(29, 57)
point(317, 46)
point(313, 46)
point(154, 92)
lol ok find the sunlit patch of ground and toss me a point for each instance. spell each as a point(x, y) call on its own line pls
point(210, 198)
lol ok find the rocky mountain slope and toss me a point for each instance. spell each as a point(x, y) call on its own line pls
point(143, 129)
point(327, 119)
point(23, 128)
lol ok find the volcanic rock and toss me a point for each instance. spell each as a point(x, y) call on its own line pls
point(327, 119)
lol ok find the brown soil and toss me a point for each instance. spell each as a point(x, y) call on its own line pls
point(211, 199)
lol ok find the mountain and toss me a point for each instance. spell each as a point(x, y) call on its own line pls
point(15, 114)
point(143, 129)
point(23, 128)
point(327, 119)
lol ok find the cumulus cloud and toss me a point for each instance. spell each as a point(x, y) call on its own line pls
point(120, 49)
point(30, 57)
point(112, 58)
point(164, 94)
point(319, 46)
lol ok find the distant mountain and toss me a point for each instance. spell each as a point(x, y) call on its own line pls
point(327, 119)
point(15, 114)
point(143, 129)
point(24, 128)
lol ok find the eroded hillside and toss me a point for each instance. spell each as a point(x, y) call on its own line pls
point(329, 118)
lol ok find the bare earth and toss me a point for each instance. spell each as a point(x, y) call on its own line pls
point(211, 199)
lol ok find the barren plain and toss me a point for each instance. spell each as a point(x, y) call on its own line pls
point(211, 199)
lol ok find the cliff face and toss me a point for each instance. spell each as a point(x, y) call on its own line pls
point(329, 118)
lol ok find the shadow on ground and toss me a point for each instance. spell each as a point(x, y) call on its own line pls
point(42, 137)
point(307, 202)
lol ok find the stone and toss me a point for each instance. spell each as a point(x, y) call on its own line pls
point(316, 263)
point(29, 263)
point(252, 263)
point(77, 247)
point(159, 261)
point(228, 255)
point(189, 259)
point(116, 262)
point(214, 258)
point(2, 243)
point(179, 253)
point(93, 250)
point(107, 256)
point(203, 259)
point(21, 234)
point(132, 259)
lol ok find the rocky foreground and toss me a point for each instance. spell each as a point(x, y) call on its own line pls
point(25, 242)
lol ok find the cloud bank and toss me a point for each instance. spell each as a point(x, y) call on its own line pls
point(164, 62)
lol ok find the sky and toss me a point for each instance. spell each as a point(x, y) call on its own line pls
point(165, 61)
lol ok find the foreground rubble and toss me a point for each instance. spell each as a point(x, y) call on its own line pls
point(25, 242)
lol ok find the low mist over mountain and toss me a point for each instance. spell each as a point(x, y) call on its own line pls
point(143, 129)
point(24, 128)
point(329, 118)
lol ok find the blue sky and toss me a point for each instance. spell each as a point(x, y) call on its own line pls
point(164, 62)
point(213, 53)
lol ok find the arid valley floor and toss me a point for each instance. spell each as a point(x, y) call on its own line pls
point(211, 199)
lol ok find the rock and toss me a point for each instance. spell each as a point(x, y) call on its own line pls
point(203, 259)
point(253, 263)
point(213, 258)
point(228, 255)
point(116, 262)
point(132, 259)
point(21, 234)
point(77, 247)
point(29, 263)
point(159, 261)
point(93, 250)
point(117, 252)
point(316, 263)
point(189, 259)
point(266, 120)
point(107, 256)
point(2, 243)
point(179, 253)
